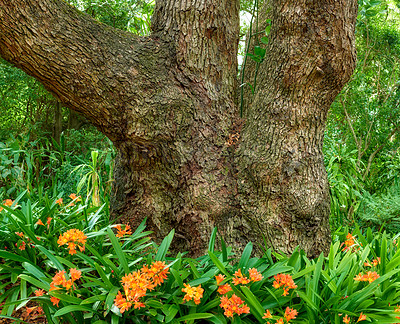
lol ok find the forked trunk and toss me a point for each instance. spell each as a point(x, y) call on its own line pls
point(169, 103)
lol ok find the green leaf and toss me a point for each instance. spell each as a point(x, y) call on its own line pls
point(154, 303)
point(118, 250)
point(192, 317)
point(164, 246)
point(73, 308)
point(218, 264)
point(40, 284)
point(259, 51)
point(93, 299)
point(171, 313)
point(264, 40)
point(11, 256)
point(103, 276)
point(253, 303)
point(245, 256)
point(65, 297)
point(51, 257)
point(211, 243)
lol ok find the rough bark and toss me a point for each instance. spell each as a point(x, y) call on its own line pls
point(169, 104)
point(311, 55)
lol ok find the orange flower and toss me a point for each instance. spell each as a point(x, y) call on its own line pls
point(267, 314)
point(156, 274)
point(22, 246)
point(122, 303)
point(40, 310)
point(55, 301)
point(121, 232)
point(290, 314)
point(39, 292)
point(285, 281)
point(8, 203)
point(233, 305)
point(75, 274)
point(346, 319)
point(239, 279)
point(370, 276)
point(219, 278)
point(73, 238)
point(137, 283)
point(280, 321)
point(138, 305)
point(74, 196)
point(255, 275)
point(195, 293)
point(60, 280)
point(30, 309)
point(39, 222)
point(48, 221)
point(20, 234)
point(349, 243)
point(223, 289)
point(397, 310)
point(362, 318)
point(59, 201)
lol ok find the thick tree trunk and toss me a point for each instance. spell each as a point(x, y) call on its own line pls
point(169, 104)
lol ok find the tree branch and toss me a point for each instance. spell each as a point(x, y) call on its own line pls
point(92, 68)
point(380, 147)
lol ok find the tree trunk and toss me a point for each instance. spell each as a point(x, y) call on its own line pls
point(169, 104)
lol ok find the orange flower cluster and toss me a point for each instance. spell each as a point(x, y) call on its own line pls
point(222, 289)
point(137, 283)
point(73, 238)
point(347, 319)
point(121, 232)
point(60, 279)
point(39, 292)
point(349, 243)
point(8, 203)
point(233, 305)
point(285, 281)
point(59, 201)
point(75, 198)
point(195, 293)
point(39, 222)
point(24, 242)
point(255, 275)
point(290, 313)
point(370, 276)
point(240, 279)
point(397, 310)
point(375, 262)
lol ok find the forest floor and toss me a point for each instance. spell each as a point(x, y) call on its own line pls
point(28, 314)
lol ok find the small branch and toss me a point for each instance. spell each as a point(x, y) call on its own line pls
point(372, 156)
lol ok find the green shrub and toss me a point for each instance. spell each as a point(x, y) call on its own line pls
point(114, 270)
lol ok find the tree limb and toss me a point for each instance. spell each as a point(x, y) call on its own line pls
point(92, 68)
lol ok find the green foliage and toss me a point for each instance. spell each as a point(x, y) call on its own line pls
point(362, 141)
point(323, 290)
point(130, 15)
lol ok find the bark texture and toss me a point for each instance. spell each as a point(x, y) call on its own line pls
point(169, 103)
point(311, 55)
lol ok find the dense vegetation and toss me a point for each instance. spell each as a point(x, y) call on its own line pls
point(61, 256)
